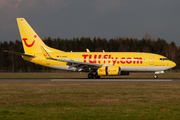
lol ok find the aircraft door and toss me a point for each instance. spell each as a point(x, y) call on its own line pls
point(151, 60)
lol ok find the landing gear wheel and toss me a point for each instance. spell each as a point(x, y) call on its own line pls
point(90, 75)
point(97, 76)
point(155, 76)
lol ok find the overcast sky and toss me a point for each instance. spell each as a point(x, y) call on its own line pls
point(92, 18)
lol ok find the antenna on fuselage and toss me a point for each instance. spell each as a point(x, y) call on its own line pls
point(87, 50)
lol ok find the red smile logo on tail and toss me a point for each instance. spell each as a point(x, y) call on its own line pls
point(28, 45)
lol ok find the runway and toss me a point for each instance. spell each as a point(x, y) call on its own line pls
point(84, 80)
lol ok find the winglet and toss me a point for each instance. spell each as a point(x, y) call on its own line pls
point(45, 53)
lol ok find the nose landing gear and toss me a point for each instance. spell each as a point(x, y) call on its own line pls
point(155, 76)
point(157, 72)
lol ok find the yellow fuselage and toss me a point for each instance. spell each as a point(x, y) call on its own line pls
point(128, 61)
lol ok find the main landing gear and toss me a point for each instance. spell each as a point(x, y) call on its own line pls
point(91, 76)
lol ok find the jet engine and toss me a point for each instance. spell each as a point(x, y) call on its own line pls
point(111, 70)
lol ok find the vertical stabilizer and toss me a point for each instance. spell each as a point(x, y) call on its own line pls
point(30, 40)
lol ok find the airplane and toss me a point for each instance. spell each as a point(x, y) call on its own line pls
point(96, 63)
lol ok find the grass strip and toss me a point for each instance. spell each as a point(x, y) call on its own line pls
point(90, 100)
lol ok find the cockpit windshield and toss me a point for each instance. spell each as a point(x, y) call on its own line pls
point(163, 59)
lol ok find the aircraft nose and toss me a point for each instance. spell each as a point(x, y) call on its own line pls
point(173, 64)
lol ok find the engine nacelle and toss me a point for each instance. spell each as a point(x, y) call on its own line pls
point(109, 70)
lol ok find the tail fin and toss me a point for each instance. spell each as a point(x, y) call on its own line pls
point(31, 41)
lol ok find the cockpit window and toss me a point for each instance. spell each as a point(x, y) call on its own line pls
point(163, 59)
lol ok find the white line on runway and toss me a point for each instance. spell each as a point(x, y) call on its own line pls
point(110, 80)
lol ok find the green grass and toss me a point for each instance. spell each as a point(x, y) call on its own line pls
point(83, 75)
point(90, 100)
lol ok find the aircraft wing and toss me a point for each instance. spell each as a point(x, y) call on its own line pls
point(72, 63)
point(79, 65)
point(18, 53)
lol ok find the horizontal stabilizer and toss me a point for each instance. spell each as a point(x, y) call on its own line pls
point(17, 53)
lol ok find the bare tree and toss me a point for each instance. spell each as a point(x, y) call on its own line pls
point(147, 36)
point(171, 51)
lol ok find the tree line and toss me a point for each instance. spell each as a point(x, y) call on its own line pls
point(14, 63)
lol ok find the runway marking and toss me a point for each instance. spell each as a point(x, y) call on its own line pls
point(111, 80)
